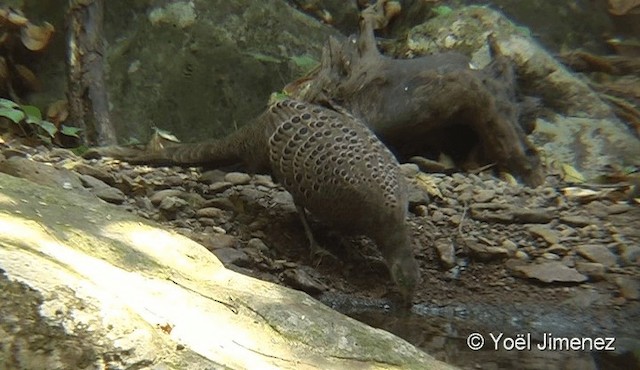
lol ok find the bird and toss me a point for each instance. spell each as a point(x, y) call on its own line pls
point(333, 165)
point(337, 169)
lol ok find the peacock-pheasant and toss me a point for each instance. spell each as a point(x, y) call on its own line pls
point(332, 164)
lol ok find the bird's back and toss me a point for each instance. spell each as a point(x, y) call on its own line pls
point(335, 167)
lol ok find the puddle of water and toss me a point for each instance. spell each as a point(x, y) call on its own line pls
point(515, 336)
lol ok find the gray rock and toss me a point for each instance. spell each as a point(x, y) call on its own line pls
point(220, 186)
point(110, 194)
point(159, 196)
point(485, 253)
point(629, 288)
point(544, 232)
point(630, 255)
point(232, 256)
point(595, 271)
point(98, 173)
point(212, 176)
point(598, 253)
point(446, 252)
point(237, 178)
point(42, 173)
point(550, 272)
point(302, 279)
point(258, 244)
point(484, 196)
point(210, 212)
point(576, 221)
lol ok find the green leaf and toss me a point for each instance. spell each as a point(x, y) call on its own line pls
point(70, 130)
point(5, 103)
point(263, 57)
point(442, 10)
point(305, 61)
point(16, 115)
point(32, 112)
point(49, 127)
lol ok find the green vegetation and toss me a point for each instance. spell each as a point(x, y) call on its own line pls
point(28, 119)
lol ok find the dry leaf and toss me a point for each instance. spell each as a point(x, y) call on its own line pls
point(622, 7)
point(27, 77)
point(426, 183)
point(58, 111)
point(14, 17)
point(36, 37)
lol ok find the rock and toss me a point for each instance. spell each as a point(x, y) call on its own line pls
point(215, 241)
point(232, 256)
point(302, 279)
point(258, 244)
point(484, 196)
point(576, 221)
point(629, 288)
point(110, 194)
point(159, 196)
point(558, 249)
point(219, 187)
point(598, 253)
point(212, 176)
point(544, 232)
point(550, 256)
point(595, 271)
point(222, 203)
point(102, 190)
point(94, 171)
point(485, 253)
point(211, 212)
point(550, 272)
point(42, 173)
point(119, 296)
point(630, 255)
point(446, 252)
point(531, 216)
point(170, 206)
point(237, 178)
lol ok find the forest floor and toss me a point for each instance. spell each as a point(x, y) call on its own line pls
point(495, 257)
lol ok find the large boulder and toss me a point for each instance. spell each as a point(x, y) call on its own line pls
point(86, 285)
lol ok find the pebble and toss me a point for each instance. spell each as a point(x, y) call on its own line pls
point(157, 197)
point(595, 271)
point(210, 212)
point(544, 232)
point(550, 272)
point(598, 253)
point(111, 195)
point(258, 244)
point(576, 221)
point(237, 178)
point(232, 256)
point(446, 252)
point(484, 196)
point(302, 279)
point(629, 288)
point(485, 253)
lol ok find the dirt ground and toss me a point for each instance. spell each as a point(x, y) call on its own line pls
point(495, 257)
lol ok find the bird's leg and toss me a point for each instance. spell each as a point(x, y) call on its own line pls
point(317, 252)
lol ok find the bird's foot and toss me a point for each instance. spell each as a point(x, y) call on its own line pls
point(320, 254)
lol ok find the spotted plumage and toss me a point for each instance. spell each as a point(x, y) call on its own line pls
point(337, 169)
